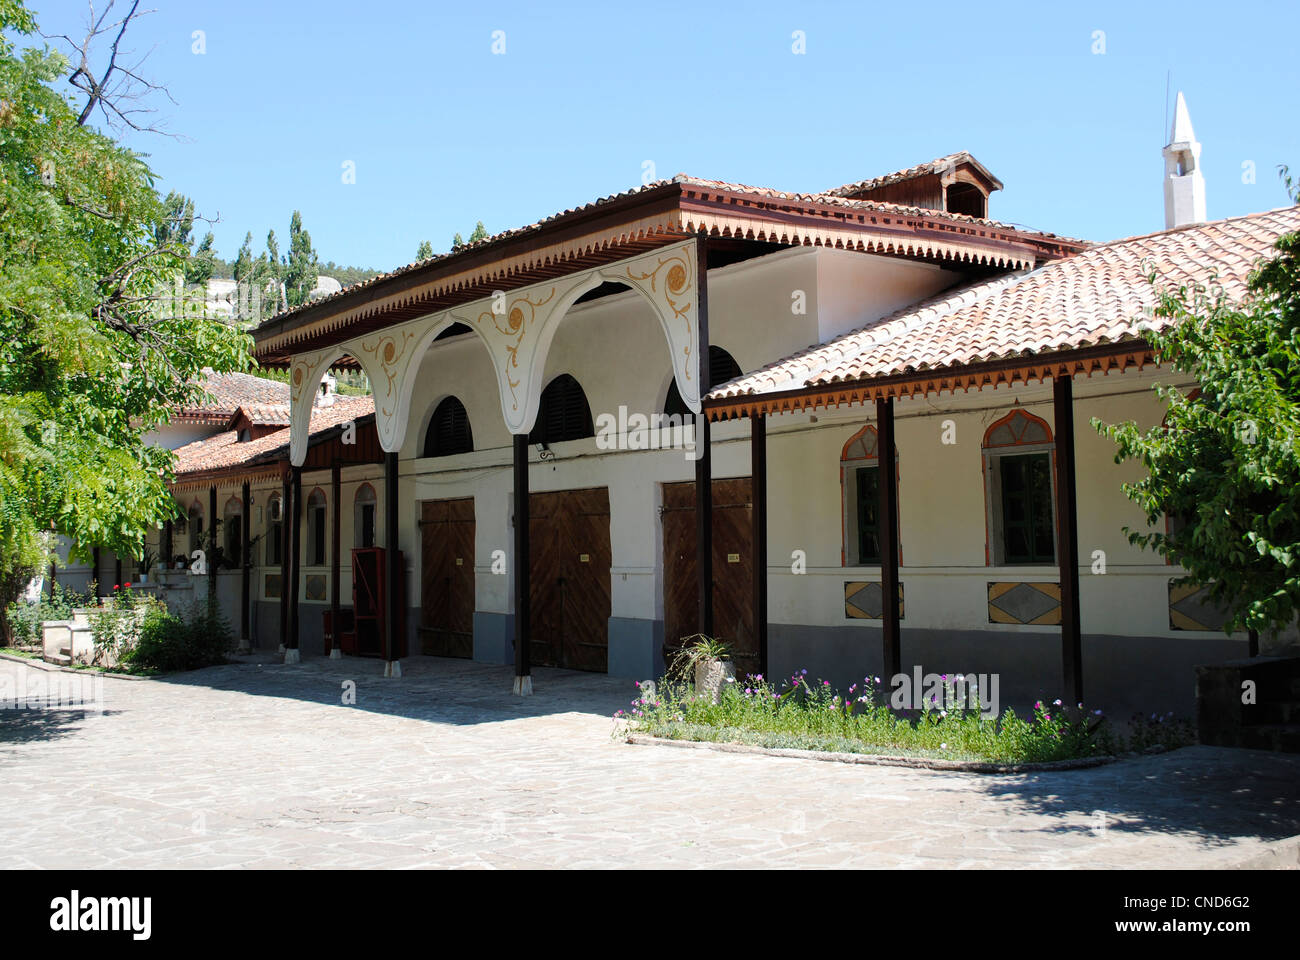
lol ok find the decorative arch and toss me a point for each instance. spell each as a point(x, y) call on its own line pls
point(448, 431)
point(860, 446)
point(517, 327)
point(305, 374)
point(1017, 428)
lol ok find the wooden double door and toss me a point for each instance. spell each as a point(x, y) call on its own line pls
point(569, 574)
point(447, 577)
point(733, 568)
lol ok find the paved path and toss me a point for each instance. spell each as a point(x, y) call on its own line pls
point(262, 765)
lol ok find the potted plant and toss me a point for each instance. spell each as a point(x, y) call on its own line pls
point(146, 563)
point(707, 660)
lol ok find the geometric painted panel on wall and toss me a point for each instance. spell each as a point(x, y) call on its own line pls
point(1190, 608)
point(316, 586)
point(1036, 603)
point(864, 600)
point(273, 586)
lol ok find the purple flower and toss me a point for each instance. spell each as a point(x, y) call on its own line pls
point(805, 673)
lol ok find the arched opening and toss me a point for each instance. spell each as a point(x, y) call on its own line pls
point(316, 516)
point(722, 367)
point(363, 517)
point(274, 531)
point(449, 431)
point(232, 523)
point(1019, 469)
point(564, 413)
point(195, 519)
point(860, 488)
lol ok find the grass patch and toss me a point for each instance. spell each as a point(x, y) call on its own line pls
point(810, 715)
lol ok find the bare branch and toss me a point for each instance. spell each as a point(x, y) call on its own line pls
point(118, 85)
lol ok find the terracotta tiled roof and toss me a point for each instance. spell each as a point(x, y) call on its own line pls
point(920, 170)
point(223, 450)
point(830, 198)
point(266, 414)
point(1098, 296)
point(230, 391)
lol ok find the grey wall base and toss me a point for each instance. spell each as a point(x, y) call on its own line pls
point(494, 637)
point(1121, 675)
point(636, 648)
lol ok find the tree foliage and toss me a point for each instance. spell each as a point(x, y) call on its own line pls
point(480, 233)
point(93, 353)
point(1225, 465)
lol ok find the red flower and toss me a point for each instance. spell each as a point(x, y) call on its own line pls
point(127, 585)
point(115, 586)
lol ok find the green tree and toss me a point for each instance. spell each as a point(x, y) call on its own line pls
point(301, 267)
point(92, 356)
point(425, 251)
point(1225, 465)
point(199, 268)
point(480, 233)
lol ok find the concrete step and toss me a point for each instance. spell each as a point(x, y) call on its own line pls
point(61, 659)
point(1281, 737)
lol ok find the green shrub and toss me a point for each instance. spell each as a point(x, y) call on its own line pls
point(25, 618)
point(167, 642)
point(813, 716)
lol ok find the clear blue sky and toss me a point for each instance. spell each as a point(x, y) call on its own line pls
point(443, 132)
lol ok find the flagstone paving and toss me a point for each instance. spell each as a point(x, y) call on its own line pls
point(256, 764)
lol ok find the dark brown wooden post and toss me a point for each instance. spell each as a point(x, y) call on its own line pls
point(704, 455)
point(393, 571)
point(117, 570)
point(245, 563)
point(887, 525)
point(293, 654)
point(1068, 548)
point(95, 574)
point(168, 548)
point(286, 493)
point(212, 552)
point(336, 561)
point(758, 473)
point(523, 661)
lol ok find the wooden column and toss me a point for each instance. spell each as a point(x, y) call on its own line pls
point(758, 474)
point(336, 560)
point(295, 564)
point(117, 570)
point(95, 576)
point(167, 548)
point(211, 554)
point(1068, 547)
point(393, 571)
point(246, 572)
point(286, 492)
point(887, 525)
point(704, 460)
point(523, 666)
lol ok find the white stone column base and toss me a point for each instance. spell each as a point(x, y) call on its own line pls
point(293, 656)
point(524, 686)
point(336, 653)
point(281, 650)
point(393, 668)
point(244, 647)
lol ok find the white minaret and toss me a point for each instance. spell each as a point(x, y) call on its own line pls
point(1184, 183)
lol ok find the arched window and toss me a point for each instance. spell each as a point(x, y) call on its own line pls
point(449, 431)
point(722, 367)
point(196, 527)
point(274, 529)
point(232, 523)
point(860, 489)
point(564, 413)
point(363, 516)
point(1019, 466)
point(316, 516)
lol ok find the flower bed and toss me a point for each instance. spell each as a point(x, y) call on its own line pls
point(810, 715)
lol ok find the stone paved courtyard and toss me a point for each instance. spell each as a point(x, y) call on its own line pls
point(256, 764)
